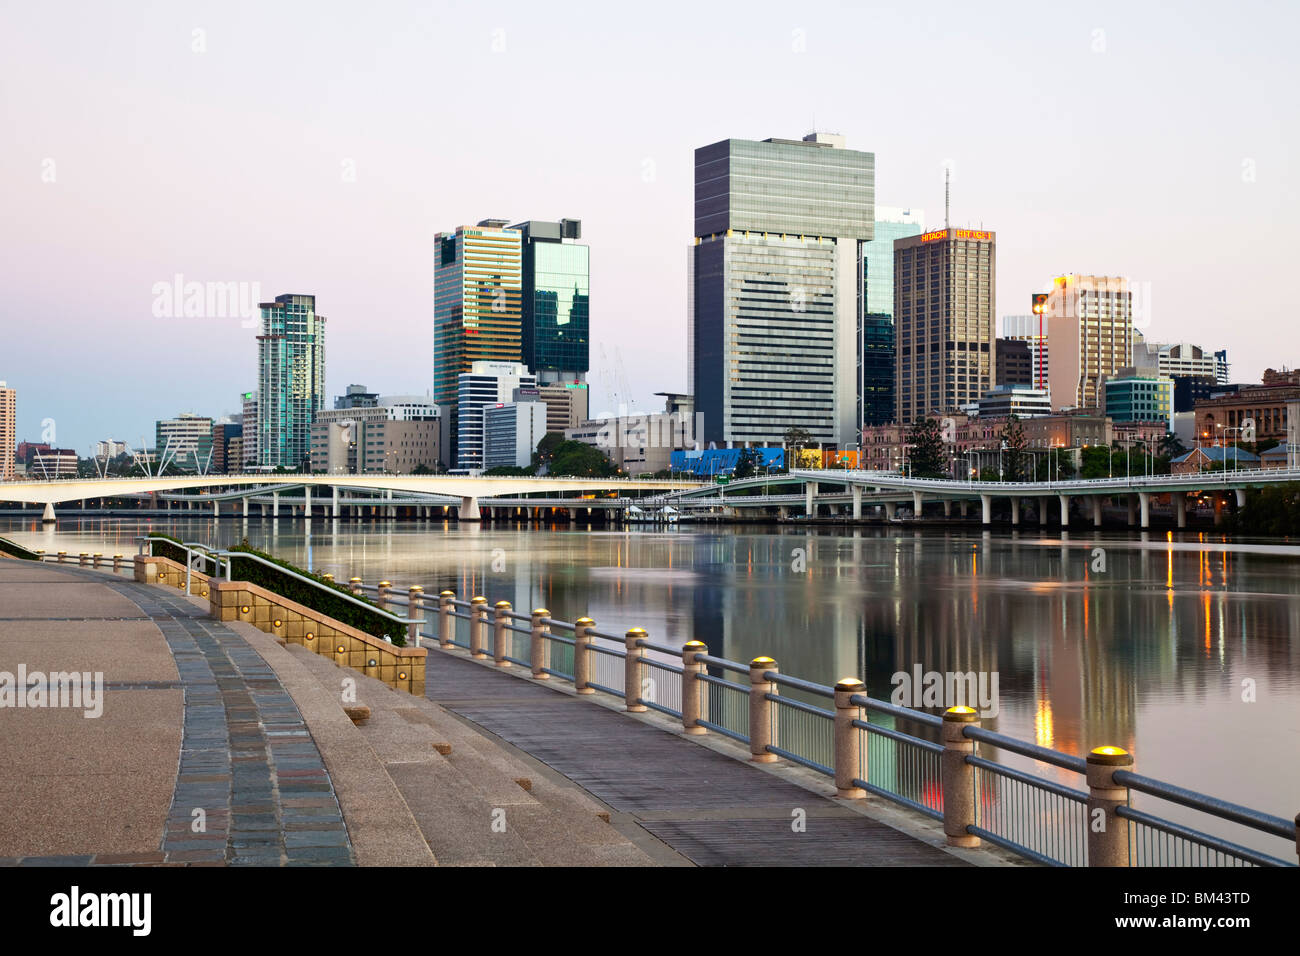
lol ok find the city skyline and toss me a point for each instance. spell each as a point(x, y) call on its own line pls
point(126, 192)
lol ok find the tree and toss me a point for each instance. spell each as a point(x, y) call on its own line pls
point(546, 451)
point(1014, 445)
point(746, 464)
point(929, 457)
point(577, 459)
point(1096, 462)
point(422, 469)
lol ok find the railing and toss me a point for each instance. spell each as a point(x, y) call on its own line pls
point(947, 767)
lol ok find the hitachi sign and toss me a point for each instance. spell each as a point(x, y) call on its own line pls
point(976, 235)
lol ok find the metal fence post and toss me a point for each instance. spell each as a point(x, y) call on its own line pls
point(1108, 842)
point(446, 623)
point(354, 585)
point(83, 557)
point(762, 721)
point(96, 559)
point(695, 699)
point(415, 609)
point(848, 739)
point(582, 641)
point(478, 627)
point(384, 587)
point(957, 777)
point(117, 563)
point(62, 556)
point(539, 650)
point(500, 635)
point(632, 671)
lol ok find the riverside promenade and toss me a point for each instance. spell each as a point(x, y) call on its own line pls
point(217, 745)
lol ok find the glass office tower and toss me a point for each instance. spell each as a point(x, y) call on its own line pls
point(556, 301)
point(876, 369)
point(776, 287)
point(291, 380)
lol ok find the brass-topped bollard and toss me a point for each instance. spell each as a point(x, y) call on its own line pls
point(446, 623)
point(1108, 832)
point(96, 559)
point(478, 627)
point(117, 562)
point(957, 777)
point(849, 765)
point(762, 716)
point(384, 587)
point(499, 633)
point(415, 609)
point(327, 577)
point(354, 584)
point(539, 645)
point(632, 665)
point(62, 555)
point(84, 558)
point(695, 697)
point(582, 641)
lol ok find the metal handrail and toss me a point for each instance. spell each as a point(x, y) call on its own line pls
point(821, 690)
point(1025, 749)
point(1224, 810)
point(722, 662)
point(1203, 839)
point(880, 707)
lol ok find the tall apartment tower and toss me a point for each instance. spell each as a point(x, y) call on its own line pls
point(1025, 328)
point(290, 380)
point(8, 431)
point(876, 367)
point(1090, 333)
point(485, 385)
point(944, 296)
point(478, 311)
point(248, 444)
point(776, 287)
point(556, 309)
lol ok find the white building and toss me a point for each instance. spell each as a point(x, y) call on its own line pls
point(1032, 330)
point(1019, 400)
point(1179, 358)
point(511, 433)
point(486, 384)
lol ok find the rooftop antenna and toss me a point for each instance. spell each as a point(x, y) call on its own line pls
point(947, 172)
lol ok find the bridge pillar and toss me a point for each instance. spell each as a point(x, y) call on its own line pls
point(1218, 509)
point(916, 503)
point(275, 504)
point(335, 505)
point(468, 510)
point(891, 510)
point(1096, 511)
point(306, 503)
point(1144, 499)
point(809, 493)
point(1241, 498)
point(216, 507)
point(48, 517)
point(1015, 511)
point(947, 507)
point(1065, 510)
point(245, 502)
point(1132, 510)
point(1180, 508)
point(857, 502)
point(986, 507)
point(391, 512)
point(783, 512)
point(964, 503)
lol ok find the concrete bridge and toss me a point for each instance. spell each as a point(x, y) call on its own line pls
point(464, 492)
point(847, 491)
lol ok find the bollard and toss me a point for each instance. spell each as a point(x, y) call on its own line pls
point(384, 587)
point(40, 555)
point(500, 635)
point(117, 562)
point(957, 777)
point(539, 647)
point(62, 556)
point(415, 609)
point(354, 585)
point(83, 559)
point(478, 627)
point(762, 720)
point(849, 765)
point(632, 671)
point(695, 698)
point(446, 623)
point(582, 641)
point(327, 578)
point(96, 559)
point(1108, 843)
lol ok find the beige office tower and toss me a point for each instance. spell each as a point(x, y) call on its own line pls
point(945, 334)
point(8, 431)
point(1090, 334)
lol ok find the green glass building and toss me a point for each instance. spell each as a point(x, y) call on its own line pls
point(291, 380)
point(556, 301)
point(876, 367)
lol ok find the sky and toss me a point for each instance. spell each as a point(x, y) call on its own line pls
point(318, 147)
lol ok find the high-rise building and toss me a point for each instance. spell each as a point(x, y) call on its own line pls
point(356, 396)
point(877, 361)
point(511, 432)
point(777, 287)
point(248, 441)
point(1032, 330)
point(8, 431)
point(1015, 363)
point(291, 380)
point(109, 447)
point(1135, 396)
point(485, 384)
point(224, 433)
point(1090, 330)
point(478, 310)
point(395, 434)
point(186, 441)
point(1175, 359)
point(556, 301)
point(944, 297)
point(567, 404)
point(1221, 367)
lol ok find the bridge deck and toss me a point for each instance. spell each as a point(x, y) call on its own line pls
point(709, 807)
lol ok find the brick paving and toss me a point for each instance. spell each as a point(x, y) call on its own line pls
point(248, 768)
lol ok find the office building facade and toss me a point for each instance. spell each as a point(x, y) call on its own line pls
point(394, 435)
point(1032, 330)
point(1140, 398)
point(1090, 328)
point(248, 442)
point(1015, 363)
point(944, 295)
point(185, 441)
point(511, 432)
point(556, 304)
point(1023, 401)
point(8, 431)
point(877, 359)
point(776, 287)
point(485, 385)
point(291, 380)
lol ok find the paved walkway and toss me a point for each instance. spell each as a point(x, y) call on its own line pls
point(707, 806)
point(250, 786)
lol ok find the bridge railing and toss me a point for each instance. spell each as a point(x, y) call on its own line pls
point(946, 767)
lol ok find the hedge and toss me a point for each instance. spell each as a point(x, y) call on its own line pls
point(18, 551)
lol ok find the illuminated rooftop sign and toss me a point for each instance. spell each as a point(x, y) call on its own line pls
point(976, 235)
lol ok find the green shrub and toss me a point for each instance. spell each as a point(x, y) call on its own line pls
point(1271, 510)
point(317, 597)
point(17, 550)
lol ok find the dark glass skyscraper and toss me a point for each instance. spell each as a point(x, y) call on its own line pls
point(877, 368)
point(556, 301)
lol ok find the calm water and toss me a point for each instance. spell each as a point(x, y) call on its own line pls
point(1144, 644)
